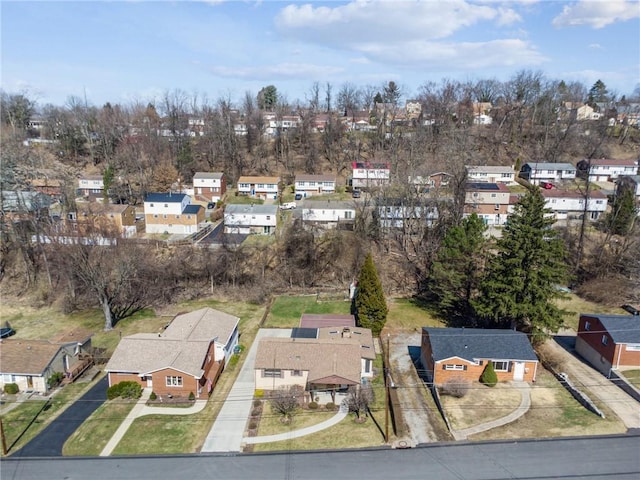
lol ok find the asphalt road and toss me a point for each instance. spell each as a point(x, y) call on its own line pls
point(50, 441)
point(593, 458)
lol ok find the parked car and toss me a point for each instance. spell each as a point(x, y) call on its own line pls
point(546, 185)
point(356, 194)
point(298, 196)
point(6, 332)
point(631, 309)
point(288, 206)
point(211, 205)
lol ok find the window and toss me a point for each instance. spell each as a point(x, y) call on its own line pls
point(493, 195)
point(454, 367)
point(367, 366)
point(177, 216)
point(188, 217)
point(260, 185)
point(347, 215)
point(155, 215)
point(497, 206)
point(268, 217)
point(501, 366)
point(633, 348)
point(296, 373)
point(151, 204)
point(173, 381)
point(271, 373)
point(164, 216)
point(166, 205)
point(605, 339)
point(587, 326)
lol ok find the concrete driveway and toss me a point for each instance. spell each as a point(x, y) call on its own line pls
point(585, 377)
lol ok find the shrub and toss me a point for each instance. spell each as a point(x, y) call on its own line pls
point(489, 376)
point(55, 379)
point(257, 403)
point(192, 396)
point(312, 405)
point(153, 396)
point(11, 388)
point(127, 389)
point(330, 406)
point(259, 393)
point(456, 387)
point(253, 425)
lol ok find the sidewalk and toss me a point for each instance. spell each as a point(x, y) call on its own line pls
point(525, 403)
point(141, 409)
point(227, 432)
point(337, 418)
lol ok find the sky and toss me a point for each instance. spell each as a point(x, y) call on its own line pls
point(124, 51)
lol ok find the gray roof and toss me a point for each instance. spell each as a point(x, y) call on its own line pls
point(622, 328)
point(194, 209)
point(315, 178)
point(208, 175)
point(234, 209)
point(165, 197)
point(478, 343)
point(24, 201)
point(310, 204)
point(490, 168)
point(202, 324)
point(549, 166)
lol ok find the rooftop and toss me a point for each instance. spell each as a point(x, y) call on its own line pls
point(622, 328)
point(165, 197)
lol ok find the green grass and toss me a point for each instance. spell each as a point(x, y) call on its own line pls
point(243, 200)
point(632, 376)
point(286, 310)
point(270, 423)
point(574, 305)
point(97, 430)
point(409, 313)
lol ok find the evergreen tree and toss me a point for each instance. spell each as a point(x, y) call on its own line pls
point(371, 307)
point(598, 93)
point(522, 278)
point(459, 266)
point(489, 376)
point(623, 213)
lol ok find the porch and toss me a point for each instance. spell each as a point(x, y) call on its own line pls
point(85, 361)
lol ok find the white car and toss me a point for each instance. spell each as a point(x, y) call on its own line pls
point(288, 206)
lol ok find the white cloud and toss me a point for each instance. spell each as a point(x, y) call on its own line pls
point(596, 46)
point(597, 13)
point(277, 71)
point(507, 16)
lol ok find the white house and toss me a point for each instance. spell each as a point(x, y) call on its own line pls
point(91, 186)
point(308, 185)
point(247, 219)
point(326, 214)
point(606, 170)
point(490, 201)
point(367, 174)
point(210, 185)
point(482, 120)
point(172, 213)
point(569, 205)
point(260, 187)
point(537, 172)
point(406, 214)
point(491, 174)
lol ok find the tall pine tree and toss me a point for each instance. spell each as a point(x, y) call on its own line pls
point(522, 279)
point(459, 267)
point(371, 307)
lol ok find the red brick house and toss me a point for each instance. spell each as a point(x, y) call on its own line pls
point(464, 353)
point(609, 342)
point(187, 357)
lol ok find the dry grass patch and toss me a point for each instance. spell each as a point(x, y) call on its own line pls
point(554, 413)
point(411, 314)
point(575, 305)
point(482, 404)
point(270, 423)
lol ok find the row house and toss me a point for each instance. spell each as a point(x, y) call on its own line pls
point(259, 187)
point(91, 186)
point(308, 185)
point(327, 214)
point(48, 186)
point(490, 201)
point(539, 172)
point(570, 204)
point(117, 219)
point(250, 219)
point(172, 213)
point(606, 170)
point(491, 174)
point(210, 185)
point(369, 174)
point(406, 214)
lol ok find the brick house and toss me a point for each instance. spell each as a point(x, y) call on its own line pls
point(308, 185)
point(259, 187)
point(210, 185)
point(464, 352)
point(187, 357)
point(609, 342)
point(490, 201)
point(172, 213)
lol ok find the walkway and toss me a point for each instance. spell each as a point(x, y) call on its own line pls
point(141, 409)
point(227, 432)
point(337, 418)
point(525, 403)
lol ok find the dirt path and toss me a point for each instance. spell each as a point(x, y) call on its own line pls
point(410, 389)
point(595, 384)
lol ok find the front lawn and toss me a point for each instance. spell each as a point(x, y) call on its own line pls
point(632, 376)
point(243, 200)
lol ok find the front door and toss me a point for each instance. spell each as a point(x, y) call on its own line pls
point(149, 381)
point(518, 371)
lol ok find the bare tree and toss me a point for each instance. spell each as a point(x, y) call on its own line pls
point(285, 401)
point(359, 397)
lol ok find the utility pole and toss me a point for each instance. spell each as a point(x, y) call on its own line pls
point(4, 439)
point(386, 392)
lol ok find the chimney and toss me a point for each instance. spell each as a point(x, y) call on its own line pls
point(346, 332)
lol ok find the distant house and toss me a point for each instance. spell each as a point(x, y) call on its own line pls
point(20, 205)
point(327, 214)
point(490, 201)
point(580, 112)
point(320, 320)
point(172, 213)
point(48, 186)
point(210, 185)
point(247, 219)
point(463, 353)
point(369, 175)
point(259, 187)
point(537, 172)
point(104, 217)
point(609, 342)
point(491, 174)
point(317, 360)
point(308, 185)
point(405, 213)
point(187, 357)
point(31, 363)
point(570, 204)
point(606, 170)
point(91, 186)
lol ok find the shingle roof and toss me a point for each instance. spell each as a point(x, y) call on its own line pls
point(315, 178)
point(317, 204)
point(475, 343)
point(320, 359)
point(622, 328)
point(202, 324)
point(555, 193)
point(317, 320)
point(248, 209)
point(252, 179)
point(192, 209)
point(30, 357)
point(613, 162)
point(23, 201)
point(165, 197)
point(550, 166)
point(208, 175)
point(362, 336)
point(490, 169)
